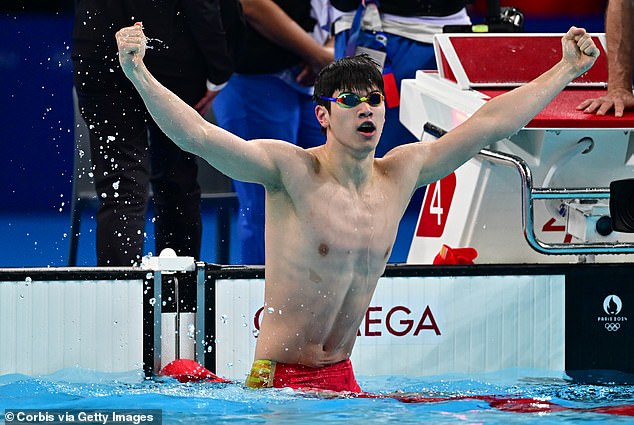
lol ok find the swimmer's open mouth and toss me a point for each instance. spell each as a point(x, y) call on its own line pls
point(367, 128)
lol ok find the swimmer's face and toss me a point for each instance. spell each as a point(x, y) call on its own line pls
point(355, 118)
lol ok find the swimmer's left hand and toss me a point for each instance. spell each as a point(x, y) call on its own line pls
point(579, 49)
point(131, 42)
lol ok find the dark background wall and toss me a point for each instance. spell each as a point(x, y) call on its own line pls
point(36, 116)
point(36, 6)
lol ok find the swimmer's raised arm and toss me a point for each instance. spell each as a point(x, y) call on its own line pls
point(230, 154)
point(501, 116)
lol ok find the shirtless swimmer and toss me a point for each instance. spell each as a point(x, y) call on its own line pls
point(332, 211)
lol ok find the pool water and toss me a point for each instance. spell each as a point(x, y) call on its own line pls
point(493, 398)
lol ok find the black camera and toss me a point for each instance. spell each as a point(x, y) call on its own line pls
point(622, 205)
point(498, 20)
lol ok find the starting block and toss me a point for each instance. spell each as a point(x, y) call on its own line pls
point(567, 159)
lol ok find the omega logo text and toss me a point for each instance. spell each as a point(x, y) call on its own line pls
point(399, 321)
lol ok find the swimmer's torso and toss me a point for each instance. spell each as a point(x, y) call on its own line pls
point(328, 245)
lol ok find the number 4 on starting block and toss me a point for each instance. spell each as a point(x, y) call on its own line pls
point(436, 207)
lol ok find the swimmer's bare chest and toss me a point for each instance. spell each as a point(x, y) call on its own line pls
point(347, 232)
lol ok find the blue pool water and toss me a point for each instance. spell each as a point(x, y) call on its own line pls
point(464, 399)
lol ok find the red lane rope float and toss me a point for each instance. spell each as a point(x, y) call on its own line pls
point(185, 370)
point(509, 404)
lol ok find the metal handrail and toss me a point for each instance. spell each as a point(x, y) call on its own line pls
point(529, 194)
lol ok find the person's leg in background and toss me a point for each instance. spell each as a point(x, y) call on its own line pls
point(254, 107)
point(177, 212)
point(309, 132)
point(174, 179)
point(176, 197)
point(116, 120)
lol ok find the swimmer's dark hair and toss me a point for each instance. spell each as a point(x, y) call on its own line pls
point(355, 73)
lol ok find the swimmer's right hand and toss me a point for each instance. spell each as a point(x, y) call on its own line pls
point(131, 42)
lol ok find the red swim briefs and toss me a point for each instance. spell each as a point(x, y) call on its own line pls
point(336, 377)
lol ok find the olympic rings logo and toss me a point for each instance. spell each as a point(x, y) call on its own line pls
point(612, 327)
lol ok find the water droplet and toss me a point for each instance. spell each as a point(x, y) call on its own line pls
point(270, 310)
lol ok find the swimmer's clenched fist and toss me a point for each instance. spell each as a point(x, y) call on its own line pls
point(578, 49)
point(131, 42)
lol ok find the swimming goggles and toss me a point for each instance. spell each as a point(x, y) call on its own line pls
point(350, 100)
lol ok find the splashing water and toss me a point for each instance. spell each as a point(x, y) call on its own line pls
point(445, 399)
point(155, 43)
